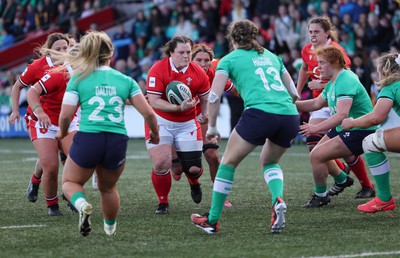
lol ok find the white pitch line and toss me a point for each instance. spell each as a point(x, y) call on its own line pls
point(23, 226)
point(359, 255)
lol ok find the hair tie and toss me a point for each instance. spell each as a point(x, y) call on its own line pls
point(398, 59)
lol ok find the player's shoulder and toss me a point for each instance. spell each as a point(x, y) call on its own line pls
point(307, 48)
point(38, 64)
point(160, 66)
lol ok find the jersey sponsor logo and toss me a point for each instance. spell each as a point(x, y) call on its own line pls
point(152, 82)
point(46, 77)
point(310, 57)
point(261, 61)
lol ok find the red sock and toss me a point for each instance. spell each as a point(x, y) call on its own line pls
point(35, 180)
point(340, 164)
point(162, 185)
point(51, 201)
point(358, 168)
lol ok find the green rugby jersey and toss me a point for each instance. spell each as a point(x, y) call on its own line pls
point(348, 86)
point(102, 97)
point(392, 92)
point(257, 77)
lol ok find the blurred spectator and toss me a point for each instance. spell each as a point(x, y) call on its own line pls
point(134, 69)
point(41, 17)
point(74, 11)
point(346, 40)
point(370, 67)
point(157, 39)
point(238, 11)
point(87, 10)
point(8, 14)
point(358, 67)
point(347, 25)
point(75, 31)
point(62, 18)
point(171, 28)
point(374, 32)
point(122, 42)
point(140, 47)
point(5, 100)
point(140, 27)
point(121, 66)
point(221, 45)
point(360, 8)
point(30, 24)
point(17, 28)
point(161, 15)
point(283, 24)
point(184, 26)
point(347, 7)
point(298, 34)
point(326, 9)
point(50, 7)
point(156, 18)
point(213, 20)
point(7, 39)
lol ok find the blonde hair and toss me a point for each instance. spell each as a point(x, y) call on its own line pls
point(332, 54)
point(326, 25)
point(95, 49)
point(244, 33)
point(388, 68)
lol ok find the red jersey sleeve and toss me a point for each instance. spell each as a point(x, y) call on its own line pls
point(54, 85)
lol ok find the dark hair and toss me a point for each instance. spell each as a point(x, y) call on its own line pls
point(43, 50)
point(170, 46)
point(244, 33)
point(327, 26)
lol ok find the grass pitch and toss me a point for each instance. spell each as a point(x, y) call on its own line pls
point(337, 230)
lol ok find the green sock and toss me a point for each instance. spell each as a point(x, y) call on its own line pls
point(222, 186)
point(109, 222)
point(341, 178)
point(78, 199)
point(320, 190)
point(274, 178)
point(379, 167)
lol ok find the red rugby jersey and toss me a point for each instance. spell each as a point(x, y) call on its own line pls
point(162, 73)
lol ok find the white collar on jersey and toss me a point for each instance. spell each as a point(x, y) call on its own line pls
point(183, 70)
point(103, 67)
point(49, 61)
point(328, 42)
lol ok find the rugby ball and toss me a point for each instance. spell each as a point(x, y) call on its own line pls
point(177, 92)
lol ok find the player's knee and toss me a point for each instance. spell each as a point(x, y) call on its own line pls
point(210, 146)
point(211, 155)
point(374, 142)
point(191, 162)
point(314, 138)
point(160, 172)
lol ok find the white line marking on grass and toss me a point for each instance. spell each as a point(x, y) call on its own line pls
point(359, 255)
point(6, 151)
point(23, 226)
point(22, 160)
